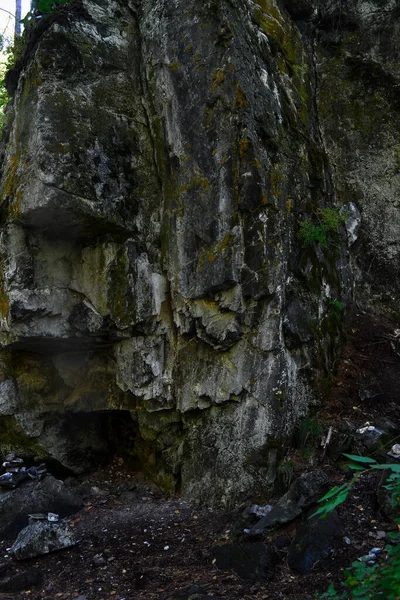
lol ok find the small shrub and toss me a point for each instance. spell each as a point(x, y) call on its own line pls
point(42, 8)
point(310, 233)
point(336, 308)
point(331, 219)
point(325, 230)
point(310, 431)
point(364, 582)
point(286, 472)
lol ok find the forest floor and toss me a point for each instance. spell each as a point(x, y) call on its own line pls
point(135, 544)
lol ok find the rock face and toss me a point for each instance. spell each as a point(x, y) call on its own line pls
point(164, 286)
point(357, 58)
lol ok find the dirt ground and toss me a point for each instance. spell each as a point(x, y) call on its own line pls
point(136, 544)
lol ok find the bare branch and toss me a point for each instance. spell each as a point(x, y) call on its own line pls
point(8, 12)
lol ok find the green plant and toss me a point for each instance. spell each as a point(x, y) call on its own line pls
point(3, 96)
point(309, 431)
point(336, 307)
point(323, 229)
point(331, 219)
point(362, 581)
point(42, 8)
point(286, 471)
point(11, 54)
point(310, 233)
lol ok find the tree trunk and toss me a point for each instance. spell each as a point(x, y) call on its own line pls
point(18, 16)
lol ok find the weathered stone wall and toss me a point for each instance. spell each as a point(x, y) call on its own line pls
point(159, 160)
point(357, 57)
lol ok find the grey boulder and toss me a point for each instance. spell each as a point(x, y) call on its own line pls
point(41, 538)
point(302, 495)
point(47, 495)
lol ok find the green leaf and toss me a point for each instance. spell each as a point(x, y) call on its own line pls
point(329, 506)
point(331, 589)
point(361, 459)
point(356, 467)
point(341, 498)
point(335, 490)
point(320, 511)
point(391, 467)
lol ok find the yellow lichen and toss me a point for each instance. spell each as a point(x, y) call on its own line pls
point(270, 8)
point(241, 102)
point(289, 205)
point(174, 66)
point(243, 147)
point(217, 78)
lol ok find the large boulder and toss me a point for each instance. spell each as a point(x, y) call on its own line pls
point(41, 538)
point(313, 541)
point(304, 492)
point(47, 495)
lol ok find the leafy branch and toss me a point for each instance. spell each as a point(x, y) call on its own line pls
point(8, 12)
point(338, 494)
point(363, 581)
point(41, 8)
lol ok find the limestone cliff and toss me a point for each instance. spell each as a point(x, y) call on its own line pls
point(158, 291)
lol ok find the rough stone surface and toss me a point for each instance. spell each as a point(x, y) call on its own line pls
point(41, 538)
point(313, 542)
point(47, 495)
point(302, 494)
point(250, 561)
point(357, 66)
point(158, 162)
